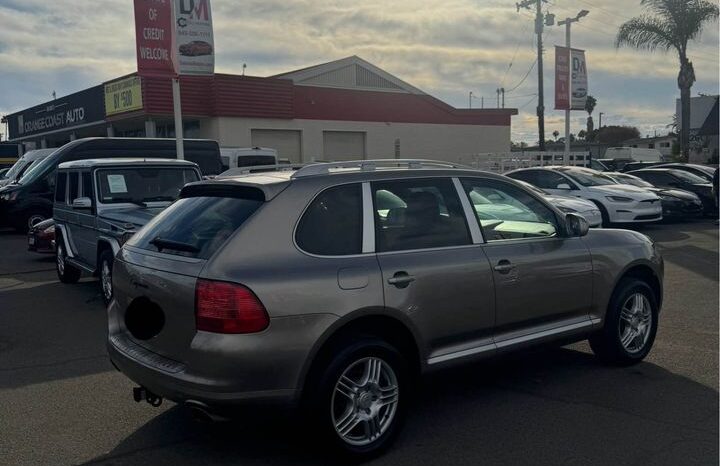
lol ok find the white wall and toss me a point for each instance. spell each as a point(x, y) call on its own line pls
point(455, 143)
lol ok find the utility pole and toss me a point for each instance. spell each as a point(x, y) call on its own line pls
point(497, 91)
point(600, 122)
point(502, 93)
point(470, 100)
point(567, 22)
point(541, 93)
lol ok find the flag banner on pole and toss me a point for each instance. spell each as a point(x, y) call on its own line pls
point(154, 38)
point(562, 78)
point(194, 46)
point(579, 80)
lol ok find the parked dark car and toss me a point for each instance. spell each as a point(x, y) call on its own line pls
point(632, 166)
point(29, 201)
point(670, 178)
point(41, 237)
point(676, 203)
point(703, 171)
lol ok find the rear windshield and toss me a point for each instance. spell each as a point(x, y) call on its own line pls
point(195, 226)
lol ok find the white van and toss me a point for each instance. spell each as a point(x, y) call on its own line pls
point(634, 153)
point(234, 157)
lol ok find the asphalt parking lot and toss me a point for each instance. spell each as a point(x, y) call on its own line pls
point(61, 402)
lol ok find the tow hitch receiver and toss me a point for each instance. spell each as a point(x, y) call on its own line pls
point(142, 393)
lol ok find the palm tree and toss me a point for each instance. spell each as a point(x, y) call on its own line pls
point(590, 103)
point(671, 24)
point(556, 133)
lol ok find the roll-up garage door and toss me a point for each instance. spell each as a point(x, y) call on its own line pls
point(286, 142)
point(343, 145)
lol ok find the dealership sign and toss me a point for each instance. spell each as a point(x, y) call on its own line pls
point(75, 110)
point(571, 81)
point(124, 95)
point(194, 44)
point(154, 38)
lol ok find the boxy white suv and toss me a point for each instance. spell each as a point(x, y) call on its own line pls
point(618, 203)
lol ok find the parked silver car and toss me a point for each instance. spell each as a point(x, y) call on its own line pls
point(333, 286)
point(100, 203)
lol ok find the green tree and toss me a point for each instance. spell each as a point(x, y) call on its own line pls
point(671, 24)
point(615, 135)
point(556, 133)
point(582, 134)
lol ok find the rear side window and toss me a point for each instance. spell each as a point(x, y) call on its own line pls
point(332, 224)
point(195, 226)
point(61, 187)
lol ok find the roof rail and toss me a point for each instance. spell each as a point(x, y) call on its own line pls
point(260, 169)
point(370, 165)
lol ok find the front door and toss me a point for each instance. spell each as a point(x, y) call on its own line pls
point(431, 270)
point(543, 279)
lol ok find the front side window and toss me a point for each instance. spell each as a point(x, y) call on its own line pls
point(87, 188)
point(142, 184)
point(332, 225)
point(61, 187)
point(74, 186)
point(551, 180)
point(418, 214)
point(507, 212)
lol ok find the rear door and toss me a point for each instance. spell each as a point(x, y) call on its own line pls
point(156, 281)
point(432, 270)
point(543, 279)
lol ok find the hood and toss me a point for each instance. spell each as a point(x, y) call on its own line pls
point(574, 203)
point(623, 190)
point(137, 216)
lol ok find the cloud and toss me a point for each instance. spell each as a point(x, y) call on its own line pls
point(447, 48)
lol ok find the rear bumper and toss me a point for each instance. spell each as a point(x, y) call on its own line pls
point(225, 370)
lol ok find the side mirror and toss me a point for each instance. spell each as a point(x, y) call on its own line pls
point(82, 203)
point(564, 186)
point(577, 225)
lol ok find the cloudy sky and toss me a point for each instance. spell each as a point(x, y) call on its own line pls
point(447, 48)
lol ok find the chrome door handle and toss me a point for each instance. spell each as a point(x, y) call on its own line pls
point(401, 279)
point(504, 266)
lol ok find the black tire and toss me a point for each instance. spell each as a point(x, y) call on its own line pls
point(607, 344)
point(106, 259)
point(65, 272)
point(603, 214)
point(323, 408)
point(31, 219)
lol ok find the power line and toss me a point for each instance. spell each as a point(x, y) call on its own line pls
point(517, 47)
point(524, 77)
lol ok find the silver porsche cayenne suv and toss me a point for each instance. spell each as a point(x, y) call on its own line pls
point(334, 286)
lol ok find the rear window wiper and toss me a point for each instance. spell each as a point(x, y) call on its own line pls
point(162, 243)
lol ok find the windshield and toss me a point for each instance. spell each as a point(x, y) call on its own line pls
point(36, 170)
point(19, 167)
point(142, 184)
point(587, 178)
point(634, 181)
point(688, 177)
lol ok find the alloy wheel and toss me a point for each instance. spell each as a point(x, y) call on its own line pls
point(106, 280)
point(60, 259)
point(635, 323)
point(365, 401)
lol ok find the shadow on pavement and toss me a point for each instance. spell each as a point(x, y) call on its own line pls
point(556, 406)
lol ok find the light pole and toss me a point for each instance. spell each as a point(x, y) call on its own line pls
point(600, 122)
point(567, 22)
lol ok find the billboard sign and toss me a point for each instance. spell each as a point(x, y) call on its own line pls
point(123, 96)
point(75, 110)
point(154, 38)
point(571, 81)
point(194, 43)
point(562, 78)
point(578, 80)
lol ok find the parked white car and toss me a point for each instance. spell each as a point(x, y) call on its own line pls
point(574, 205)
point(618, 203)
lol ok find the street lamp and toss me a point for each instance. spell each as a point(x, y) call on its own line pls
point(600, 123)
point(567, 22)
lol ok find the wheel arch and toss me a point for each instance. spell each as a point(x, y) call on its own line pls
point(381, 323)
point(105, 244)
point(645, 272)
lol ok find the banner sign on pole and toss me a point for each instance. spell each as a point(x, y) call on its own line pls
point(579, 81)
point(154, 38)
point(571, 83)
point(194, 47)
point(562, 78)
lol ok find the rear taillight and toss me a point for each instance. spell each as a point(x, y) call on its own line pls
point(223, 307)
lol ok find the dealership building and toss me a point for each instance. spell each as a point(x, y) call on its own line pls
point(341, 110)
